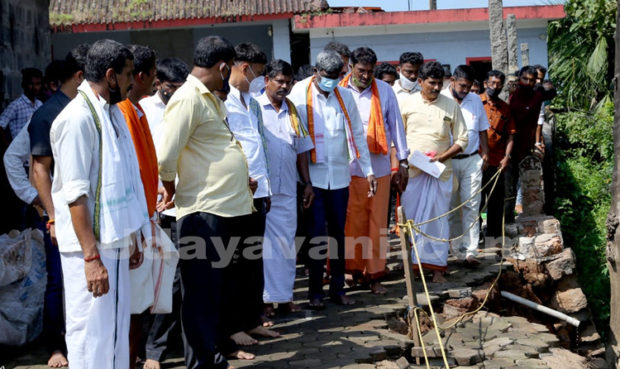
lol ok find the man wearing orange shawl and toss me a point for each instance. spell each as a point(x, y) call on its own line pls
point(144, 74)
point(366, 226)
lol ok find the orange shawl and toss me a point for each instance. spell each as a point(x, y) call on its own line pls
point(376, 138)
point(352, 147)
point(145, 151)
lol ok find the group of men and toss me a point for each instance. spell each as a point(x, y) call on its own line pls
point(227, 155)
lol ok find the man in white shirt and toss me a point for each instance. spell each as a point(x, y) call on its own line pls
point(337, 132)
point(288, 141)
point(408, 67)
point(100, 210)
point(171, 74)
point(366, 227)
point(468, 165)
point(243, 278)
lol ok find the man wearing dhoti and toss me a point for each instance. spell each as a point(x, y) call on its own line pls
point(288, 141)
point(366, 227)
point(100, 210)
point(435, 126)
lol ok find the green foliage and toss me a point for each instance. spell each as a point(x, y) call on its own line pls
point(581, 54)
point(580, 46)
point(585, 167)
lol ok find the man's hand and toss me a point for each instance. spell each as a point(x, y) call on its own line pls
point(253, 185)
point(37, 202)
point(404, 175)
point(267, 204)
point(308, 196)
point(395, 181)
point(168, 194)
point(485, 160)
point(503, 164)
point(372, 185)
point(96, 277)
point(52, 231)
point(137, 256)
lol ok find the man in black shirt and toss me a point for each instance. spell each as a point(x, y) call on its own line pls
point(42, 162)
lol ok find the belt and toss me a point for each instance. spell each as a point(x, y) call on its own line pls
point(463, 156)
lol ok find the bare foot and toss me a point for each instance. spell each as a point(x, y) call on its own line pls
point(243, 339)
point(266, 322)
point(342, 300)
point(242, 355)
point(377, 288)
point(438, 277)
point(262, 331)
point(293, 307)
point(57, 360)
point(268, 310)
point(151, 364)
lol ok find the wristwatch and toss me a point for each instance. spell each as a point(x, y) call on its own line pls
point(404, 165)
point(306, 183)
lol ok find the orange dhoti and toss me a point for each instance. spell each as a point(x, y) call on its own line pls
point(366, 228)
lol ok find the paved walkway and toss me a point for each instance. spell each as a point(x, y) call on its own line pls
point(366, 335)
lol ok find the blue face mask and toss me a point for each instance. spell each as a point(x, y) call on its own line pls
point(327, 84)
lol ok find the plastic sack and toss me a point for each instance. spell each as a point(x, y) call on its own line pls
point(23, 279)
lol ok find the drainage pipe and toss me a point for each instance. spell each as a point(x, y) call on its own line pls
point(541, 308)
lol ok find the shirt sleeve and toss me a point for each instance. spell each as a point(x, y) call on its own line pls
point(394, 121)
point(74, 143)
point(511, 128)
point(359, 136)
point(483, 122)
point(7, 115)
point(459, 129)
point(15, 157)
point(541, 116)
point(304, 143)
point(178, 125)
point(39, 132)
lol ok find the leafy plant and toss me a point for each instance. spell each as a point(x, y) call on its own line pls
point(581, 54)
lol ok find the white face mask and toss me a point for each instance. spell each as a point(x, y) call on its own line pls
point(257, 85)
point(407, 84)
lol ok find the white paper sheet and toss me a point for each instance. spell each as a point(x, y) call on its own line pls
point(422, 162)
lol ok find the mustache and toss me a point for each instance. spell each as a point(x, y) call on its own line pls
point(282, 92)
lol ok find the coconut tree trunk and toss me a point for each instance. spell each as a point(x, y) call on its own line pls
point(613, 220)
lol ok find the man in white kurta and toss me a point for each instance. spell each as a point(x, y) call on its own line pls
point(435, 127)
point(287, 140)
point(337, 132)
point(94, 241)
point(468, 165)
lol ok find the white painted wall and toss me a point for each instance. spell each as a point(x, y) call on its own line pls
point(446, 47)
point(281, 40)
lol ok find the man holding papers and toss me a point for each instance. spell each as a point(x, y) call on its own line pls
point(435, 127)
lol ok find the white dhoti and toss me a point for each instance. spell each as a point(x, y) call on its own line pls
point(425, 198)
point(467, 174)
point(279, 252)
point(97, 328)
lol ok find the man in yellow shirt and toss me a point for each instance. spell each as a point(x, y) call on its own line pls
point(434, 126)
point(212, 195)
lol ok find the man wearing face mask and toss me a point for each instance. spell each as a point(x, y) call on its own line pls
point(337, 132)
point(243, 278)
point(409, 64)
point(500, 140)
point(467, 166)
point(367, 217)
point(96, 168)
point(213, 195)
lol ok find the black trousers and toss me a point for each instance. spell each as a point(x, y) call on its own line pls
point(495, 208)
point(243, 279)
point(162, 326)
point(201, 286)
